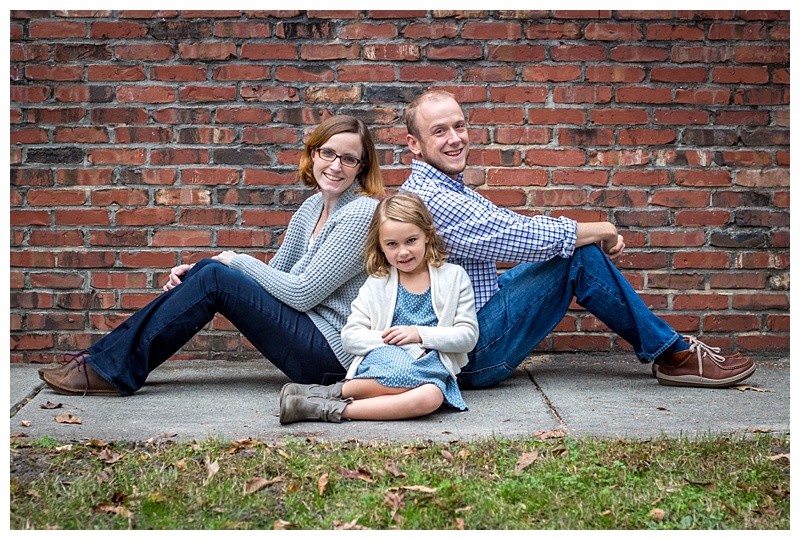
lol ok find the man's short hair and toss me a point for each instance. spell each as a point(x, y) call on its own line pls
point(411, 110)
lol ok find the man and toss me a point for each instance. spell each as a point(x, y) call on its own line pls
point(561, 259)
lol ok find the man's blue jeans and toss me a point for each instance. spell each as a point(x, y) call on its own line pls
point(534, 297)
point(286, 337)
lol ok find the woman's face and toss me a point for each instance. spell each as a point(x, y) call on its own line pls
point(334, 177)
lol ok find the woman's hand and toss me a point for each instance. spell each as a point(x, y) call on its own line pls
point(175, 276)
point(225, 257)
point(401, 335)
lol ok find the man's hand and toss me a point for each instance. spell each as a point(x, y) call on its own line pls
point(401, 335)
point(225, 257)
point(175, 276)
point(614, 249)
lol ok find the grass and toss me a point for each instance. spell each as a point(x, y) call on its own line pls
point(710, 483)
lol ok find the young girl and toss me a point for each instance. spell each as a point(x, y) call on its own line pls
point(410, 327)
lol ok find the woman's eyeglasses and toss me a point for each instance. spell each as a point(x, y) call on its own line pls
point(327, 154)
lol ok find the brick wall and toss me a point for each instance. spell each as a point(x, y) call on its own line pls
point(140, 140)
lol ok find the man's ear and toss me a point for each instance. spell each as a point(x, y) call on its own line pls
point(413, 144)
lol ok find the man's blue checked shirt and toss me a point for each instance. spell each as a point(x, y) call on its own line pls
point(478, 234)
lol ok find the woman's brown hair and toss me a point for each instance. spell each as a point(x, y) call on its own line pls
point(369, 177)
point(405, 207)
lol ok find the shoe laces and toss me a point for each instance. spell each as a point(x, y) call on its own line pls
point(695, 345)
point(80, 361)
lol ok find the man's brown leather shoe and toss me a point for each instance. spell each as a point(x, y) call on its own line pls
point(704, 367)
point(77, 378)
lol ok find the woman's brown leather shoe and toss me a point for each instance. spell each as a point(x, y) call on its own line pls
point(77, 378)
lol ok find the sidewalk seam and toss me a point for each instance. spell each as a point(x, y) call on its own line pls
point(27, 399)
point(547, 401)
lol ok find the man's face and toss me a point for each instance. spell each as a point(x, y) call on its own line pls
point(443, 141)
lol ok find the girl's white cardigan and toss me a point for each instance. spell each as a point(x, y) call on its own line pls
point(453, 302)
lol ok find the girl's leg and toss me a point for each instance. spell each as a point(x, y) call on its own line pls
point(368, 388)
point(409, 403)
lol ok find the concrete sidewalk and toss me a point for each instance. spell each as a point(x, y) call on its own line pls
point(584, 395)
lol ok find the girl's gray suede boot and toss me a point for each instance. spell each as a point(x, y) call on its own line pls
point(319, 390)
point(300, 408)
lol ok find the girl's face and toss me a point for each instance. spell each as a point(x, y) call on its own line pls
point(333, 177)
point(403, 244)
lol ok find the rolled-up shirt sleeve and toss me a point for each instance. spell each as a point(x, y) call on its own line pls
point(477, 229)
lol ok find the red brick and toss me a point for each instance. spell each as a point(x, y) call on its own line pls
point(580, 177)
point(522, 135)
point(761, 301)
point(556, 116)
point(562, 73)
point(557, 197)
point(698, 259)
point(516, 177)
point(504, 197)
point(696, 218)
point(740, 75)
point(695, 302)
point(555, 158)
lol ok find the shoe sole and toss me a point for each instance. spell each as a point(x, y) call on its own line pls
point(701, 382)
point(284, 393)
point(81, 393)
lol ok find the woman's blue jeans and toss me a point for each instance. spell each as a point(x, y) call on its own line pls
point(286, 337)
point(533, 299)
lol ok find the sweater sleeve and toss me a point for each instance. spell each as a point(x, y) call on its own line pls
point(358, 337)
point(337, 259)
point(463, 335)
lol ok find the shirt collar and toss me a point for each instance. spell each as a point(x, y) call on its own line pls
point(429, 171)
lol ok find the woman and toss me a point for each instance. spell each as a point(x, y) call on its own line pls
point(292, 309)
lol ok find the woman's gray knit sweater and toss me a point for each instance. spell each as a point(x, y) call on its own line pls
point(321, 280)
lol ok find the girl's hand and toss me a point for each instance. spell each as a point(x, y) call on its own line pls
point(175, 276)
point(225, 257)
point(401, 335)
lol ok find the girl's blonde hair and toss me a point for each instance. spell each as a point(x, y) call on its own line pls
point(404, 207)
point(369, 177)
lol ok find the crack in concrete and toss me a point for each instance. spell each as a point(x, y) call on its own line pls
point(27, 399)
point(547, 401)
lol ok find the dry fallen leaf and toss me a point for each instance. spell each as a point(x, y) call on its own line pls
point(423, 489)
point(549, 434)
point(745, 387)
point(448, 456)
point(322, 483)
point(212, 468)
point(181, 464)
point(25, 423)
point(67, 418)
point(459, 524)
point(347, 526)
point(281, 525)
point(392, 468)
point(657, 514)
point(113, 509)
point(107, 456)
point(524, 460)
point(779, 456)
point(50, 405)
point(254, 484)
point(395, 500)
point(360, 474)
